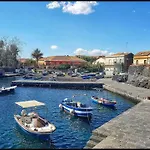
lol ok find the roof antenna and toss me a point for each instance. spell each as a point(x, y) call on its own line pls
point(126, 45)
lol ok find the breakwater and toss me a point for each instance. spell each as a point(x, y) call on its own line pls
point(56, 84)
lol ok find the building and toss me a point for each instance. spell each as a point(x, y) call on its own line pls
point(118, 62)
point(100, 60)
point(54, 61)
point(142, 58)
point(23, 60)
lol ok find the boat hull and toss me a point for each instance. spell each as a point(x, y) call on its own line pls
point(104, 104)
point(77, 111)
point(35, 134)
point(7, 90)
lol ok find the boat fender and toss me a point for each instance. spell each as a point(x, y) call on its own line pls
point(35, 129)
point(60, 105)
point(72, 111)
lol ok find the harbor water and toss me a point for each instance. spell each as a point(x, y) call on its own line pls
point(71, 132)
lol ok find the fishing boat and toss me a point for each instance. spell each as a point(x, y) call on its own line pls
point(103, 101)
point(32, 123)
point(75, 108)
point(4, 90)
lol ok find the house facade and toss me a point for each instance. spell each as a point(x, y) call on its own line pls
point(55, 61)
point(100, 60)
point(142, 58)
point(118, 62)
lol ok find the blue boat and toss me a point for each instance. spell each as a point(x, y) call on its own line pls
point(103, 101)
point(76, 108)
point(32, 123)
point(85, 77)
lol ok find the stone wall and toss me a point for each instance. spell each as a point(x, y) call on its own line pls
point(139, 76)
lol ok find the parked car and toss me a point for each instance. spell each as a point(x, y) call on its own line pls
point(60, 74)
point(74, 75)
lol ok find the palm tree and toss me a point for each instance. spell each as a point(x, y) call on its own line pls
point(37, 55)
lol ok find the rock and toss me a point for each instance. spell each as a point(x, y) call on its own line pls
point(139, 76)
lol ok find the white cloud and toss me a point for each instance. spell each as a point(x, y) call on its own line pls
point(53, 5)
point(80, 51)
point(54, 47)
point(76, 8)
point(93, 52)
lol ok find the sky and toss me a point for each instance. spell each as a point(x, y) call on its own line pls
point(77, 28)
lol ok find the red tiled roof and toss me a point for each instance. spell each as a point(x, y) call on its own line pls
point(23, 60)
point(65, 58)
point(122, 53)
point(144, 53)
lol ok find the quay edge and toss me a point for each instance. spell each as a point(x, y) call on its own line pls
point(58, 84)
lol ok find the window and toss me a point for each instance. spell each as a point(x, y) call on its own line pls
point(136, 62)
point(114, 61)
point(144, 62)
point(109, 61)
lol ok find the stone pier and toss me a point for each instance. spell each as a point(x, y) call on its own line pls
point(131, 129)
point(58, 84)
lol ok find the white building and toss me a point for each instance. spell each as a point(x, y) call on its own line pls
point(123, 60)
point(118, 62)
point(101, 60)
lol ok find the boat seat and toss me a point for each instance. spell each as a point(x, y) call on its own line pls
point(26, 119)
point(18, 116)
point(37, 123)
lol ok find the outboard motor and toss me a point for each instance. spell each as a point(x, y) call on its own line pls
point(23, 112)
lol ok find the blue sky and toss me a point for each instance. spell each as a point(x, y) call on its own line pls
point(77, 28)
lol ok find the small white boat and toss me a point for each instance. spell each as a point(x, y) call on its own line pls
point(4, 90)
point(32, 123)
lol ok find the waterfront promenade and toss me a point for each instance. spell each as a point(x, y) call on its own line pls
point(131, 129)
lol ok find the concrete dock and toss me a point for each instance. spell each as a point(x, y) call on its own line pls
point(131, 129)
point(58, 84)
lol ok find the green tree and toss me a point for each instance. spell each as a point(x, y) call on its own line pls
point(9, 51)
point(118, 67)
point(93, 67)
point(89, 59)
point(63, 66)
point(37, 54)
point(30, 63)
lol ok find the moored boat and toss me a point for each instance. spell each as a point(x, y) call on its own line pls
point(32, 123)
point(76, 108)
point(103, 101)
point(4, 90)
